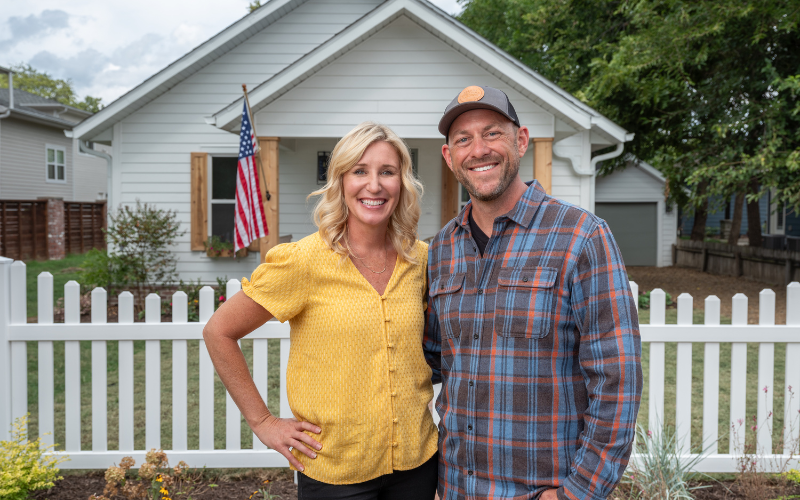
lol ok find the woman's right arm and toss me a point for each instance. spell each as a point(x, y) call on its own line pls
point(236, 318)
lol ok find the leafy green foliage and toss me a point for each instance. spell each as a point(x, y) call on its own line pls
point(644, 300)
point(24, 466)
point(711, 89)
point(139, 241)
point(40, 83)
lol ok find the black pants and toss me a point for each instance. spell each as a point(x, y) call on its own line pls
point(419, 483)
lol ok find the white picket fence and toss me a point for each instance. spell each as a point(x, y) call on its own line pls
point(15, 332)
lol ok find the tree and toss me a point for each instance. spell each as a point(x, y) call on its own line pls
point(711, 89)
point(29, 79)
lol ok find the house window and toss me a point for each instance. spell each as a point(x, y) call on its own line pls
point(56, 164)
point(323, 158)
point(415, 162)
point(463, 198)
point(223, 196)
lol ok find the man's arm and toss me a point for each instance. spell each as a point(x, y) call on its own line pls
point(432, 338)
point(610, 359)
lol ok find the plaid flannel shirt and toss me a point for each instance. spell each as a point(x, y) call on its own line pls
point(537, 347)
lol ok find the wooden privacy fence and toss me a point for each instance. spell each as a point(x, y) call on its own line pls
point(779, 267)
point(23, 229)
point(47, 228)
point(14, 333)
point(83, 226)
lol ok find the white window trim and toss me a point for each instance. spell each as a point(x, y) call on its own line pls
point(46, 176)
point(773, 216)
point(210, 187)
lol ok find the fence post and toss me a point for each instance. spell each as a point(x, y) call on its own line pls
point(46, 361)
point(233, 419)
point(99, 374)
point(711, 381)
point(766, 375)
point(738, 378)
point(206, 376)
point(152, 376)
point(5, 349)
point(19, 350)
point(655, 417)
point(791, 421)
point(683, 388)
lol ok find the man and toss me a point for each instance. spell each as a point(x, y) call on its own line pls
point(531, 327)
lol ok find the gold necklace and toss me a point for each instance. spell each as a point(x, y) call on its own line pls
point(350, 250)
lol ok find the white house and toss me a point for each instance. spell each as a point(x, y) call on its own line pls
point(315, 69)
point(36, 160)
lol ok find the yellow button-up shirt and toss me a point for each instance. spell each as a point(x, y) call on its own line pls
point(356, 366)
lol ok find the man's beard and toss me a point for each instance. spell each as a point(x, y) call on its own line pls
point(510, 170)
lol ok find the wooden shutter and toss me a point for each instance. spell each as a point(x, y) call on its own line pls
point(199, 191)
point(450, 193)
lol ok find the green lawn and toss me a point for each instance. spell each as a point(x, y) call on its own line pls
point(62, 270)
point(139, 394)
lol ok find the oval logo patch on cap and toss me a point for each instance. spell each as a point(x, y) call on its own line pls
point(470, 94)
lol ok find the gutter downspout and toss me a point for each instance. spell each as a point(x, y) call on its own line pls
point(597, 159)
point(10, 90)
point(89, 151)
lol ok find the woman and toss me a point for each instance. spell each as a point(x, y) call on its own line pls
point(353, 293)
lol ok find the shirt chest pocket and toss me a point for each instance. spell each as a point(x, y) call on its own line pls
point(525, 302)
point(445, 292)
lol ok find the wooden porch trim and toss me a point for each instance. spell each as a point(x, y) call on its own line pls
point(449, 194)
point(543, 162)
point(269, 171)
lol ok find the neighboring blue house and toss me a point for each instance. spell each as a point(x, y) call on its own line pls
point(772, 222)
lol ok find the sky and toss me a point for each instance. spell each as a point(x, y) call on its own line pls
point(108, 47)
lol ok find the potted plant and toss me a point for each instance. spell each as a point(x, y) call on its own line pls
point(216, 247)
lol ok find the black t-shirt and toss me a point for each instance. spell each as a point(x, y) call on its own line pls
point(481, 239)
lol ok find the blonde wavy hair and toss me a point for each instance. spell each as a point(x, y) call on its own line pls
point(331, 212)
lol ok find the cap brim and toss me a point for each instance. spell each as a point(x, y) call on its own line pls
point(450, 116)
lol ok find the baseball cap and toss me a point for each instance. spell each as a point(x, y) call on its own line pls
point(475, 97)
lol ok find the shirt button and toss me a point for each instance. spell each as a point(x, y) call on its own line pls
point(394, 420)
point(394, 394)
point(390, 345)
point(525, 279)
point(387, 319)
point(469, 427)
point(469, 472)
point(394, 445)
point(391, 368)
point(476, 336)
point(480, 292)
point(471, 383)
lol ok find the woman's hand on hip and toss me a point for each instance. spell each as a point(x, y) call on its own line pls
point(282, 433)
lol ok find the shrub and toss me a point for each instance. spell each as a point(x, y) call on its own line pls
point(661, 471)
point(24, 466)
point(644, 300)
point(139, 255)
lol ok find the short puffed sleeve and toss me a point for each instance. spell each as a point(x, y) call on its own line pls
point(279, 284)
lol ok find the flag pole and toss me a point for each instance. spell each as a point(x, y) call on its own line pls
point(258, 144)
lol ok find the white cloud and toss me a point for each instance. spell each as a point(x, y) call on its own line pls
point(107, 48)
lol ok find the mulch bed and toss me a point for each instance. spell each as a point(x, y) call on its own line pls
point(678, 280)
point(82, 486)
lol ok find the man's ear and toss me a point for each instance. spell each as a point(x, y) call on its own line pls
point(446, 155)
point(523, 139)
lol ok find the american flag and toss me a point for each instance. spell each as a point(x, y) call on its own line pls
point(249, 223)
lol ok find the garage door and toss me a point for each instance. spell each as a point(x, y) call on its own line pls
point(635, 229)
